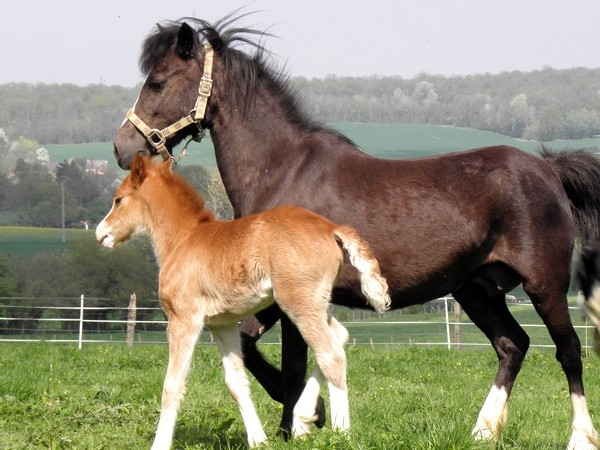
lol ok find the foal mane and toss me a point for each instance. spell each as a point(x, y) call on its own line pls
point(243, 71)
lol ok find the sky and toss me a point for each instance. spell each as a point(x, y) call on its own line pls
point(98, 41)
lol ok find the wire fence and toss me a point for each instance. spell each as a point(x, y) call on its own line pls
point(87, 320)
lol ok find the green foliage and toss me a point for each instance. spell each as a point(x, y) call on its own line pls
point(560, 104)
point(55, 396)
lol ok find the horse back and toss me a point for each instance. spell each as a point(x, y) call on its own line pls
point(432, 222)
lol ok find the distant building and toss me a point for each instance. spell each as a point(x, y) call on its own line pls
point(97, 166)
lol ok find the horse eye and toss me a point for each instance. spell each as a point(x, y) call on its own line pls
point(156, 86)
point(118, 200)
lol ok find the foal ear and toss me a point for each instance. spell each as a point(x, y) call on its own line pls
point(186, 39)
point(138, 169)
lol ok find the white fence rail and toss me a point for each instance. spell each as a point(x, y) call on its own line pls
point(86, 320)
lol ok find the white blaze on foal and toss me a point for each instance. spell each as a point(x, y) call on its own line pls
point(213, 273)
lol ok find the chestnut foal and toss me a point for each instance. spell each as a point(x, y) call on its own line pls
point(214, 273)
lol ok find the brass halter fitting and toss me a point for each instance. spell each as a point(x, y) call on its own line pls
point(157, 138)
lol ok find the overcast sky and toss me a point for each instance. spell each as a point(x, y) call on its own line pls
point(92, 41)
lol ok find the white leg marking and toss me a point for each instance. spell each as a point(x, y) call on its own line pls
point(181, 350)
point(584, 435)
point(340, 409)
point(304, 411)
point(228, 341)
point(492, 416)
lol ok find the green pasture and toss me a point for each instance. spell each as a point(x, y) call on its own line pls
point(108, 397)
point(392, 141)
point(24, 242)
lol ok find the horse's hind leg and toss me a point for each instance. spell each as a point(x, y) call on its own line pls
point(228, 341)
point(283, 386)
point(492, 317)
point(304, 411)
point(183, 334)
point(552, 307)
point(331, 359)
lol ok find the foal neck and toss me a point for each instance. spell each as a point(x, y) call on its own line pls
point(175, 209)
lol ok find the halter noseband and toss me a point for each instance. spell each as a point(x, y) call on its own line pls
point(156, 137)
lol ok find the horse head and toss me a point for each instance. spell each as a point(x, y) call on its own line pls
point(172, 59)
point(129, 211)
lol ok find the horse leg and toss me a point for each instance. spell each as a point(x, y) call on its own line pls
point(182, 334)
point(331, 359)
point(552, 307)
point(304, 411)
point(228, 342)
point(509, 340)
point(282, 386)
point(251, 330)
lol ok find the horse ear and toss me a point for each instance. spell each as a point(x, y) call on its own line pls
point(138, 169)
point(186, 40)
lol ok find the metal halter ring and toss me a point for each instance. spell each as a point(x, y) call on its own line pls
point(156, 137)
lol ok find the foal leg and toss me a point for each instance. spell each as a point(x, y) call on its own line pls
point(331, 359)
point(182, 333)
point(228, 341)
point(304, 411)
point(553, 309)
point(509, 340)
point(282, 386)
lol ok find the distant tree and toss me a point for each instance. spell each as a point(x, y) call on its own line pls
point(111, 276)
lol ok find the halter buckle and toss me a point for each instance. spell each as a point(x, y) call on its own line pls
point(156, 137)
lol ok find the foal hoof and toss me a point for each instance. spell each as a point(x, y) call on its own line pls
point(321, 413)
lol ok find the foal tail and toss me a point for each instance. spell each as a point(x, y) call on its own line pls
point(579, 172)
point(373, 285)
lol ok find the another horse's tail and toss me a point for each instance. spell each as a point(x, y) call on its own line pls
point(588, 281)
point(579, 172)
point(373, 284)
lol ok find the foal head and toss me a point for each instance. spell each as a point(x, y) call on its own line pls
point(152, 199)
point(129, 214)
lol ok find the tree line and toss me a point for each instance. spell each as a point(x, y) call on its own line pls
point(544, 105)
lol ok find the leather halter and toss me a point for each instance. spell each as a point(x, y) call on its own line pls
point(156, 137)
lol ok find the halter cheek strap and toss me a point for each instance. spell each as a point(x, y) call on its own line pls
point(157, 138)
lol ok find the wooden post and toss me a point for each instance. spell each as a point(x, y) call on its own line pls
point(131, 320)
point(457, 328)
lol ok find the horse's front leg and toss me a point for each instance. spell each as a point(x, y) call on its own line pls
point(182, 334)
point(282, 386)
point(228, 341)
point(251, 330)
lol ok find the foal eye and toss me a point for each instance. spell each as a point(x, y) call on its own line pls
point(118, 201)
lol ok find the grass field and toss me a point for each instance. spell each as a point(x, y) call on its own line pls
point(391, 141)
point(58, 397)
point(21, 243)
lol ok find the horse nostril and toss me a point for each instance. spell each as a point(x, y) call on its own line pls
point(115, 151)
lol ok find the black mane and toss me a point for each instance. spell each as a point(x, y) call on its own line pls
point(243, 71)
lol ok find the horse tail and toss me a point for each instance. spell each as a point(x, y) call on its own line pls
point(373, 284)
point(579, 172)
point(588, 282)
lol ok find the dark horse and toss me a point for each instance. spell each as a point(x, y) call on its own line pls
point(475, 224)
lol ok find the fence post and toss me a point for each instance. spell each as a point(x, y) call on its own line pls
point(81, 323)
point(457, 325)
point(447, 323)
point(131, 320)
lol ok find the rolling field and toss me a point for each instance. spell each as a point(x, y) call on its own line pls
point(22, 243)
point(390, 141)
point(58, 397)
